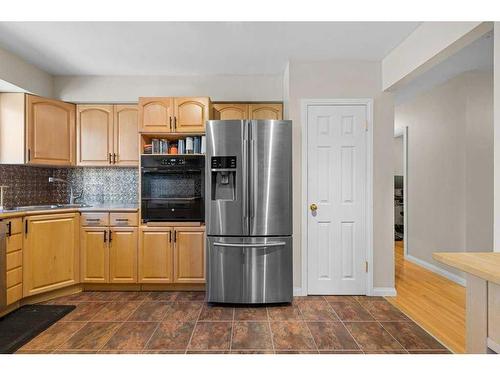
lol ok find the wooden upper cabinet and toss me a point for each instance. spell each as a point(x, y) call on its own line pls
point(155, 255)
point(265, 111)
point(190, 114)
point(230, 111)
point(50, 252)
point(155, 114)
point(94, 130)
point(50, 131)
point(189, 255)
point(123, 255)
point(126, 143)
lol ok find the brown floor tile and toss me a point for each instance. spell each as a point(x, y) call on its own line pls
point(115, 311)
point(308, 298)
point(250, 313)
point(411, 336)
point(178, 352)
point(131, 336)
point(331, 336)
point(252, 352)
point(211, 313)
point(297, 352)
point(150, 312)
point(292, 336)
point(284, 313)
point(67, 351)
point(132, 296)
point(382, 310)
point(119, 352)
point(84, 311)
point(190, 296)
point(340, 352)
point(67, 300)
point(104, 296)
point(92, 336)
point(364, 299)
point(25, 351)
point(171, 335)
point(442, 351)
point(314, 309)
point(340, 298)
point(184, 311)
point(385, 351)
point(208, 352)
point(211, 336)
point(251, 335)
point(54, 336)
point(351, 311)
point(372, 336)
point(162, 296)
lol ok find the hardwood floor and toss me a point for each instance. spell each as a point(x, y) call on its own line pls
point(434, 302)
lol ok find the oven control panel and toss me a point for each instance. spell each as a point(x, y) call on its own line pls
point(173, 161)
point(223, 162)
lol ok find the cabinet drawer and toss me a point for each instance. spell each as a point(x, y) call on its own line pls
point(14, 260)
point(16, 225)
point(14, 294)
point(124, 219)
point(95, 219)
point(14, 277)
point(14, 242)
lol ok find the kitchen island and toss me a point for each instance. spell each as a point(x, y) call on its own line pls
point(482, 298)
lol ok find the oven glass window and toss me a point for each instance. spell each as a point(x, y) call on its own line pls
point(172, 185)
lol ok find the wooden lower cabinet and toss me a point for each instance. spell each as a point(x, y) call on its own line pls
point(123, 255)
point(50, 253)
point(172, 255)
point(189, 255)
point(155, 255)
point(94, 252)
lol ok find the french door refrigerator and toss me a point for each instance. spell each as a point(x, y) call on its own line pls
point(249, 211)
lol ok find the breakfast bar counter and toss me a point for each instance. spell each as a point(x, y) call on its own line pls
point(483, 297)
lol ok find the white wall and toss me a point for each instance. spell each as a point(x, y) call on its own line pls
point(28, 77)
point(427, 46)
point(398, 156)
point(108, 89)
point(450, 167)
point(348, 79)
point(496, 96)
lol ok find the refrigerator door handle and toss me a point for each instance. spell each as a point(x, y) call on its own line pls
point(270, 244)
point(244, 170)
point(252, 180)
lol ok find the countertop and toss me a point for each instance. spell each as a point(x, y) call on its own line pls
point(117, 207)
point(483, 265)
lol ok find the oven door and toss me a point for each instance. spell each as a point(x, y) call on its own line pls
point(172, 195)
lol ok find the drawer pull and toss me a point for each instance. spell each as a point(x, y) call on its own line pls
point(121, 219)
point(93, 219)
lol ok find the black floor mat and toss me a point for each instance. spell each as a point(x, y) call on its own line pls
point(21, 325)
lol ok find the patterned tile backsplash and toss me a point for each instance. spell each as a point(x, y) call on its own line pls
point(28, 185)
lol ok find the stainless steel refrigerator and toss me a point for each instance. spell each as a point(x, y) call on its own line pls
point(249, 211)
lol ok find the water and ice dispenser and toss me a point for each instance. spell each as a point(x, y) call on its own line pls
point(223, 178)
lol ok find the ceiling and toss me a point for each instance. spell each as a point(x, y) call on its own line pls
point(179, 48)
point(476, 56)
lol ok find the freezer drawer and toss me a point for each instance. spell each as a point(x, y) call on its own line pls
point(249, 269)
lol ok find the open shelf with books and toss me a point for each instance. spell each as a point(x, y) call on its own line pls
point(172, 144)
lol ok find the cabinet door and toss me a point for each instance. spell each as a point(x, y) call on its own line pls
point(123, 255)
point(189, 255)
point(190, 114)
point(94, 135)
point(94, 262)
point(155, 255)
point(230, 111)
point(155, 114)
point(50, 254)
point(265, 111)
point(126, 139)
point(50, 131)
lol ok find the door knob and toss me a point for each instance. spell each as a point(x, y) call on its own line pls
point(313, 207)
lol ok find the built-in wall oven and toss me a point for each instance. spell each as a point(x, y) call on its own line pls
point(172, 188)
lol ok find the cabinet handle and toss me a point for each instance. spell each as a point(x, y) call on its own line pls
point(175, 123)
point(105, 236)
point(121, 219)
point(26, 227)
point(170, 122)
point(97, 220)
point(169, 237)
point(9, 229)
point(175, 236)
point(110, 239)
point(109, 158)
point(114, 158)
point(29, 154)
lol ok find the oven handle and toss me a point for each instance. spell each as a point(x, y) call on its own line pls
point(270, 244)
point(169, 171)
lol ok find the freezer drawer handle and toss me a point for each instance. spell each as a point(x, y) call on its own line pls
point(270, 244)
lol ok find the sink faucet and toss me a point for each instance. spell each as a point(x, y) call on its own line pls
point(72, 197)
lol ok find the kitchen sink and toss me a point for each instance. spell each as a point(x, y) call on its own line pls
point(49, 207)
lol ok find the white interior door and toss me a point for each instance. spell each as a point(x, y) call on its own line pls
point(336, 162)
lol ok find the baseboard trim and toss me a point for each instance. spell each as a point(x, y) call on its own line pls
point(384, 292)
point(436, 269)
point(297, 292)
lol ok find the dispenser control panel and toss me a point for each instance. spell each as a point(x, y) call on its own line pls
point(223, 162)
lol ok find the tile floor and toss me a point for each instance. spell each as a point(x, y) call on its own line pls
point(180, 322)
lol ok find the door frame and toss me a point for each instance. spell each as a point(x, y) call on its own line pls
point(403, 132)
point(368, 103)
